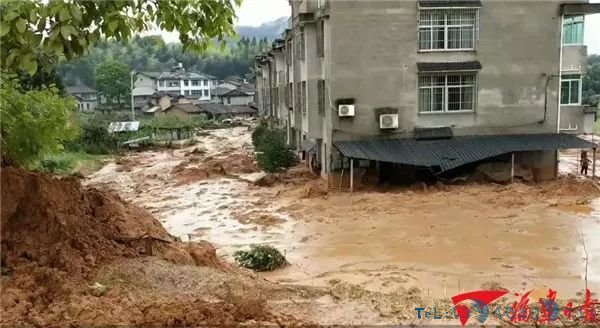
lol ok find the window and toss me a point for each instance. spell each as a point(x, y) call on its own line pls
point(570, 90)
point(160, 83)
point(228, 100)
point(196, 92)
point(321, 96)
point(205, 93)
point(321, 39)
point(448, 29)
point(185, 83)
point(172, 83)
point(195, 83)
point(300, 44)
point(451, 92)
point(303, 95)
point(187, 92)
point(573, 30)
point(205, 83)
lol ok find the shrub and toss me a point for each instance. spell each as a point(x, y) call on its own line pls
point(94, 139)
point(54, 164)
point(257, 134)
point(260, 258)
point(273, 154)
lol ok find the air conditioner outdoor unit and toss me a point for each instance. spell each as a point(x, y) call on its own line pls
point(388, 121)
point(346, 110)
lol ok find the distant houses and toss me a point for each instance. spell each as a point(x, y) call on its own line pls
point(87, 98)
point(181, 93)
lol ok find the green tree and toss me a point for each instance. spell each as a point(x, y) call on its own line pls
point(34, 122)
point(273, 154)
point(591, 83)
point(113, 81)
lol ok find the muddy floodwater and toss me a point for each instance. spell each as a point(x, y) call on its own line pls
point(442, 240)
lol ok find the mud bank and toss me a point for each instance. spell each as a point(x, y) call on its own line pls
point(57, 238)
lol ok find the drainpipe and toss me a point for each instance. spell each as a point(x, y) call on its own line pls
point(560, 57)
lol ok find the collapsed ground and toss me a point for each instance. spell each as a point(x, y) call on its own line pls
point(371, 256)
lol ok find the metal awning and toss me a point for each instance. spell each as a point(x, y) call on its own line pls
point(307, 146)
point(447, 154)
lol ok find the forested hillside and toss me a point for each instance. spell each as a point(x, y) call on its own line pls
point(151, 53)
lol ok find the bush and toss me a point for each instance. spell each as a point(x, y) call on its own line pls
point(54, 164)
point(257, 134)
point(94, 139)
point(273, 154)
point(260, 258)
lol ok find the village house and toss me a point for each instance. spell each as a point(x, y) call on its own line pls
point(179, 81)
point(87, 98)
point(394, 89)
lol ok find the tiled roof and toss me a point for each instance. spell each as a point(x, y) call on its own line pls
point(79, 89)
point(446, 154)
point(186, 107)
point(178, 75)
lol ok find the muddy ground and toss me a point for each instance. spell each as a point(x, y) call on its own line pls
point(373, 256)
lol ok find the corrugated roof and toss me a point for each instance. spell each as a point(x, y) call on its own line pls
point(307, 145)
point(450, 3)
point(446, 154)
point(448, 66)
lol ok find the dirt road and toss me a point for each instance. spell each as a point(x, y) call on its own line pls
point(434, 242)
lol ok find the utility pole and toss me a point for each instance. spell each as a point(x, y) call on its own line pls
point(132, 108)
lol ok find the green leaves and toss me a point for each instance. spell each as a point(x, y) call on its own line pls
point(4, 28)
point(20, 24)
point(28, 63)
point(34, 123)
point(64, 24)
point(64, 14)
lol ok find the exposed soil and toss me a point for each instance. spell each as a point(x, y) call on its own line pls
point(56, 235)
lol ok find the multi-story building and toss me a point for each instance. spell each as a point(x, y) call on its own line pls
point(479, 80)
point(179, 82)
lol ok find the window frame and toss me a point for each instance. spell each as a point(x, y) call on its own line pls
point(446, 28)
point(573, 22)
point(570, 80)
point(446, 86)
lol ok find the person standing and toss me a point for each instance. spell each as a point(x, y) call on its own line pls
point(585, 162)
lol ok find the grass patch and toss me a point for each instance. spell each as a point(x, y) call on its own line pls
point(66, 163)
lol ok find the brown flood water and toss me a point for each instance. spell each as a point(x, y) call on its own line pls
point(441, 241)
point(447, 241)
